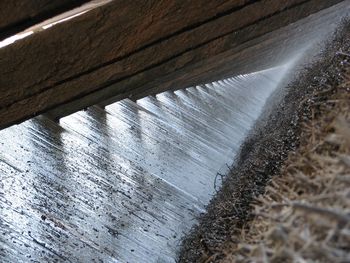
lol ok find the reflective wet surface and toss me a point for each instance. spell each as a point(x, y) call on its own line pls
point(125, 183)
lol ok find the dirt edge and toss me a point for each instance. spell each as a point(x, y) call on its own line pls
point(304, 215)
point(263, 155)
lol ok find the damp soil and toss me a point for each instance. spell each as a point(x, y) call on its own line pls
point(263, 154)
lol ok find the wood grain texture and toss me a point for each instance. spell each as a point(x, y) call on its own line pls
point(17, 15)
point(115, 49)
point(96, 40)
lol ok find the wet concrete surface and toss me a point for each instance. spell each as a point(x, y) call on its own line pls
point(126, 183)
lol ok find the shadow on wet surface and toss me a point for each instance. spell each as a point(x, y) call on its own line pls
point(124, 183)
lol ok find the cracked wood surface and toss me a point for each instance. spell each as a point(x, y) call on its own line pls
point(96, 56)
point(17, 15)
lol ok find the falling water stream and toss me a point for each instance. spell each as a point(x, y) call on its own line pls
point(127, 182)
point(124, 183)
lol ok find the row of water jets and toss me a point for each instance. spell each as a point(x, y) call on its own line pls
point(125, 182)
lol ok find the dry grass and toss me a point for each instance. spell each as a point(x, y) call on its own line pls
point(304, 216)
point(312, 121)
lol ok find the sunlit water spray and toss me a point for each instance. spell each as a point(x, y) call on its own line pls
point(123, 183)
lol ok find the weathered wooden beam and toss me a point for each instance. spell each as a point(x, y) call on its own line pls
point(97, 40)
point(17, 15)
point(255, 54)
point(120, 47)
point(269, 50)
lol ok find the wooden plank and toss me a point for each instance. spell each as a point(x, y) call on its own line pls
point(17, 15)
point(97, 39)
point(257, 53)
point(178, 39)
